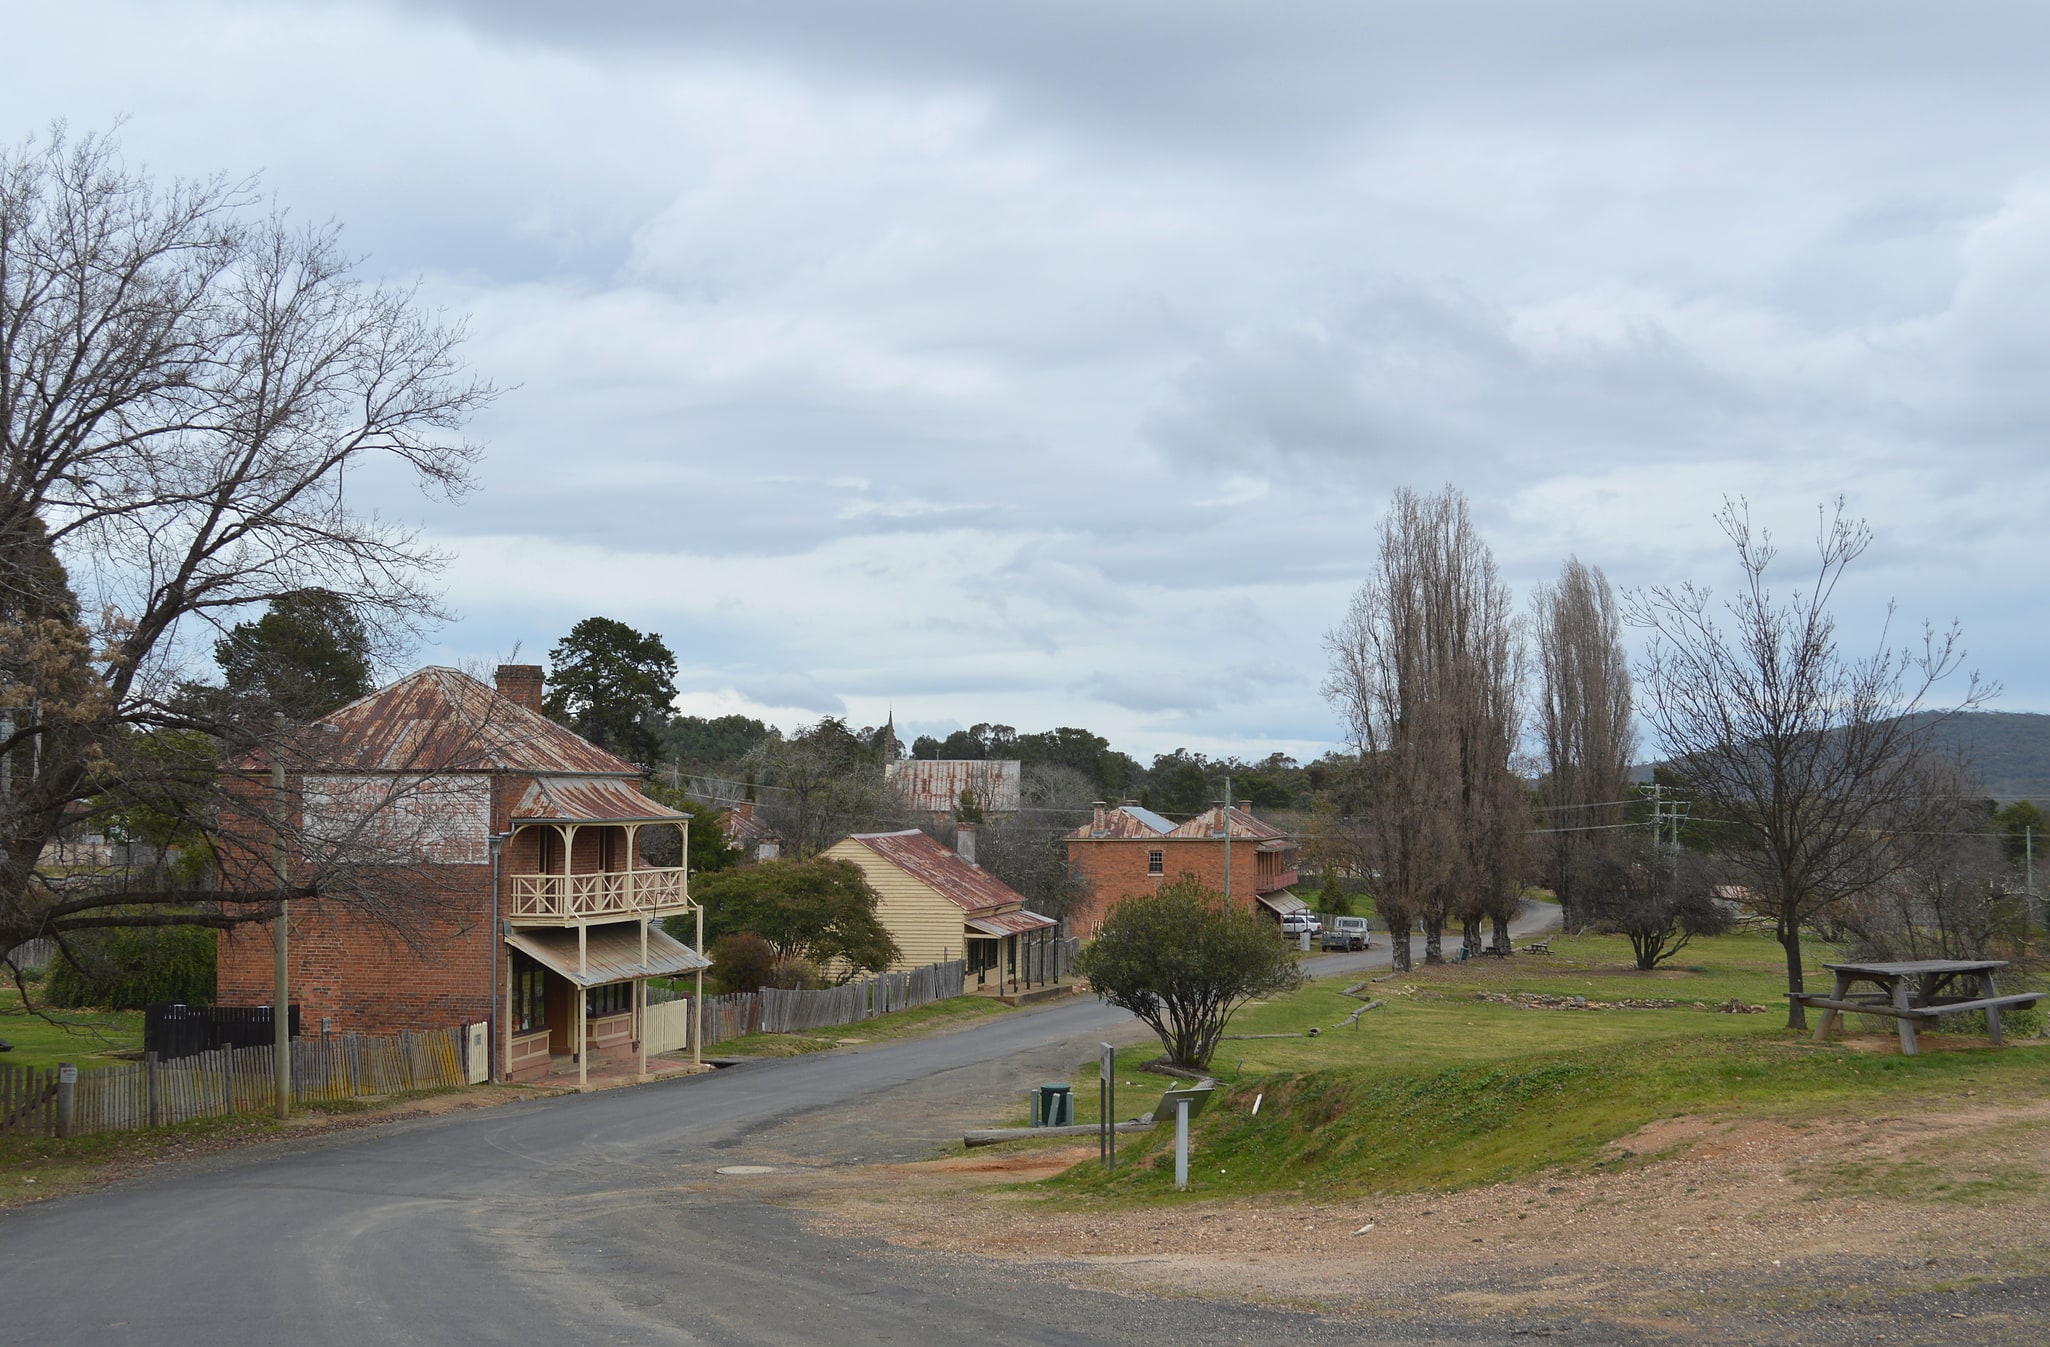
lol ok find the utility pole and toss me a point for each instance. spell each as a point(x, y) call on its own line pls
point(281, 993)
point(1227, 842)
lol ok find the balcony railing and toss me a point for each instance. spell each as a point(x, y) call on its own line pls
point(607, 893)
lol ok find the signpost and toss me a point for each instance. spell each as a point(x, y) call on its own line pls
point(1184, 1104)
point(1107, 1107)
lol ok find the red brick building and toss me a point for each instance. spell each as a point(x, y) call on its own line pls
point(1129, 850)
point(484, 866)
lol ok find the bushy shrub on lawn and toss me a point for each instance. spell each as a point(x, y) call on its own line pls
point(127, 969)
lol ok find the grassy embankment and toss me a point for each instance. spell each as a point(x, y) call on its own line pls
point(1440, 1090)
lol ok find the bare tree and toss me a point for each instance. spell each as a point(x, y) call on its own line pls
point(824, 783)
point(1584, 720)
point(1659, 898)
point(1954, 895)
point(1425, 668)
point(183, 383)
point(1809, 760)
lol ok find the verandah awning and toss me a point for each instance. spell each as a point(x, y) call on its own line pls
point(611, 953)
point(1283, 902)
point(1008, 923)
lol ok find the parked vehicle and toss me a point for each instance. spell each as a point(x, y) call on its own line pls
point(1348, 933)
point(1300, 923)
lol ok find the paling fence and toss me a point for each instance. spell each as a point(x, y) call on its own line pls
point(773, 1011)
point(32, 956)
point(224, 1081)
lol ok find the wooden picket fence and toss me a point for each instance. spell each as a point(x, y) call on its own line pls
point(773, 1011)
point(227, 1081)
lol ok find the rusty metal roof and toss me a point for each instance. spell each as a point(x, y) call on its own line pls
point(442, 720)
point(1125, 822)
point(1009, 923)
point(1210, 823)
point(580, 799)
point(611, 953)
point(939, 868)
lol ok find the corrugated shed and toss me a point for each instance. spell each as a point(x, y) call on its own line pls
point(934, 786)
point(556, 799)
point(442, 720)
point(968, 887)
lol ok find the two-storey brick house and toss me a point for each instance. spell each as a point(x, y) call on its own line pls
point(515, 892)
point(1128, 850)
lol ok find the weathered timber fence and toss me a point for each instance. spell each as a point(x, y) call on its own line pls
point(225, 1081)
point(773, 1011)
point(32, 956)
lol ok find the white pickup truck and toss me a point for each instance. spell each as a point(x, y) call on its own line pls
point(1347, 933)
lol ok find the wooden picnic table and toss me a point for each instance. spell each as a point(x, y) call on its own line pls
point(1915, 992)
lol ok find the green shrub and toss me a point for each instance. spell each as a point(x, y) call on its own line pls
point(128, 969)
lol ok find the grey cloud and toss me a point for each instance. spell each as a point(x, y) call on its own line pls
point(798, 691)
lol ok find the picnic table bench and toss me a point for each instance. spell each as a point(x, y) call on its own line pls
point(1538, 947)
point(1914, 993)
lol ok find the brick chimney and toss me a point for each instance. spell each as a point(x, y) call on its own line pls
point(964, 841)
point(1097, 825)
point(521, 683)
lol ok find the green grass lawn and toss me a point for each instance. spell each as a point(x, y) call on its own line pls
point(82, 1037)
point(1439, 1090)
point(938, 1015)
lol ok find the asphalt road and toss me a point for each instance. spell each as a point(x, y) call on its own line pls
point(599, 1219)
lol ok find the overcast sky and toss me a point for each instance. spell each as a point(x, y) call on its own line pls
point(1052, 363)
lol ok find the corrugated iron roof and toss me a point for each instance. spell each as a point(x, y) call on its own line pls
point(938, 867)
point(574, 799)
point(744, 828)
point(1210, 823)
point(441, 720)
point(1284, 902)
point(611, 953)
point(1009, 923)
point(1126, 821)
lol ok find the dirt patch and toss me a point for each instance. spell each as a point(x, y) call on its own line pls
point(1683, 1224)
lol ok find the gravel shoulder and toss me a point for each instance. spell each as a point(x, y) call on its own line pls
point(1925, 1227)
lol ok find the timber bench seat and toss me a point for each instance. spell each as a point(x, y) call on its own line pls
point(1912, 994)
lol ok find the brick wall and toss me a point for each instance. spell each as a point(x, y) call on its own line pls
point(361, 975)
point(1115, 867)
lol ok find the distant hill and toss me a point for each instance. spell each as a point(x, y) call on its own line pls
point(2008, 751)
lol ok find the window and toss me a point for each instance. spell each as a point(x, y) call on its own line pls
point(1156, 862)
point(548, 848)
point(530, 996)
point(614, 998)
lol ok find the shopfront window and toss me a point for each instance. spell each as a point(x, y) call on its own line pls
point(530, 996)
point(614, 998)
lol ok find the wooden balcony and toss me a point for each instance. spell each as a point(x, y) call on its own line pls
point(605, 895)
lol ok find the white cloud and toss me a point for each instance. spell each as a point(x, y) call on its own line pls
point(1051, 366)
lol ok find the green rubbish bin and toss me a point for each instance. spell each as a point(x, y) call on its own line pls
point(1053, 1105)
